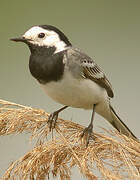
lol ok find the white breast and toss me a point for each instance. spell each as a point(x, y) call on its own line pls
point(80, 93)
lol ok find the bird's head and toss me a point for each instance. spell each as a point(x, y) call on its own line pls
point(44, 36)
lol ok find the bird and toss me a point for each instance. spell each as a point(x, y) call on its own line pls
point(69, 76)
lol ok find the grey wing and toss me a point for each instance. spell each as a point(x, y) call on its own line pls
point(95, 73)
point(90, 69)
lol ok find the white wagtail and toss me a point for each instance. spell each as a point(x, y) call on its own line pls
point(69, 76)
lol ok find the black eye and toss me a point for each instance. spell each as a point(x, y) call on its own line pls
point(41, 35)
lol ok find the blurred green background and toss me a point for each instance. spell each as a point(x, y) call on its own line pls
point(105, 29)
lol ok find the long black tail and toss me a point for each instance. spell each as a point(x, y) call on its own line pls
point(119, 125)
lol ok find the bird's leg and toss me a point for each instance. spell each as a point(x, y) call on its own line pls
point(88, 130)
point(53, 117)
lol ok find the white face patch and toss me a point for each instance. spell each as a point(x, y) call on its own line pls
point(50, 39)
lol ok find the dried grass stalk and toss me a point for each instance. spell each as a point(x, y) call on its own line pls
point(109, 155)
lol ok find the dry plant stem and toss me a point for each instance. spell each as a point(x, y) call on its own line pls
point(108, 156)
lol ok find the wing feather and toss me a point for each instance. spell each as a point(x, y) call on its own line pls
point(90, 69)
point(100, 78)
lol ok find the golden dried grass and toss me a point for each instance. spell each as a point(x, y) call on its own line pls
point(108, 156)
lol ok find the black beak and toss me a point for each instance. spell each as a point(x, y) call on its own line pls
point(19, 39)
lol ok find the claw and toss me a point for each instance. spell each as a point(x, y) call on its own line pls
point(87, 133)
point(52, 120)
point(88, 130)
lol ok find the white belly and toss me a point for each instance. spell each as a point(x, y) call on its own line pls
point(80, 93)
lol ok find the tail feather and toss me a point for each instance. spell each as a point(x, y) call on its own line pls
point(119, 124)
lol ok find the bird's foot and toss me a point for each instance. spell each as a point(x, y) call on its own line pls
point(87, 133)
point(52, 120)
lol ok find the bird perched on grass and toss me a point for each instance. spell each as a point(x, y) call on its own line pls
point(69, 76)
